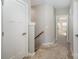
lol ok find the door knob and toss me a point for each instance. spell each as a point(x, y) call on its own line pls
point(2, 33)
point(76, 35)
point(24, 34)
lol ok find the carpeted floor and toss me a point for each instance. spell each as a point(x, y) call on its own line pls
point(55, 51)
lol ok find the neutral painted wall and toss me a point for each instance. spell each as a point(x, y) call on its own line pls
point(44, 18)
point(31, 40)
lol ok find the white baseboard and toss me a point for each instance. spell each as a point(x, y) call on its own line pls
point(31, 54)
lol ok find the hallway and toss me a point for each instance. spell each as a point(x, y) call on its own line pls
point(52, 51)
point(39, 29)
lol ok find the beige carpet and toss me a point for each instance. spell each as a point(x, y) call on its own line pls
point(55, 51)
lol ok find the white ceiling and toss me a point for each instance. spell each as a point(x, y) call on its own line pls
point(56, 3)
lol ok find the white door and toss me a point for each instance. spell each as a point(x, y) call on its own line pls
point(75, 29)
point(15, 29)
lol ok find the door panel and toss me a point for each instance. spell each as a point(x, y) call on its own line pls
point(15, 24)
point(75, 29)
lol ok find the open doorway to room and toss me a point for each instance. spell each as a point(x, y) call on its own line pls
point(62, 26)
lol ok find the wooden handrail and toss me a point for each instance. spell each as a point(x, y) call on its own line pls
point(39, 34)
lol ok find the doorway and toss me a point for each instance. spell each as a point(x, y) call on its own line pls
point(62, 26)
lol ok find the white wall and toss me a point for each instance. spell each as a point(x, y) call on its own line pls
point(31, 40)
point(45, 21)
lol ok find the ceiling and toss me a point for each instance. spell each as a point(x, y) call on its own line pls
point(55, 3)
